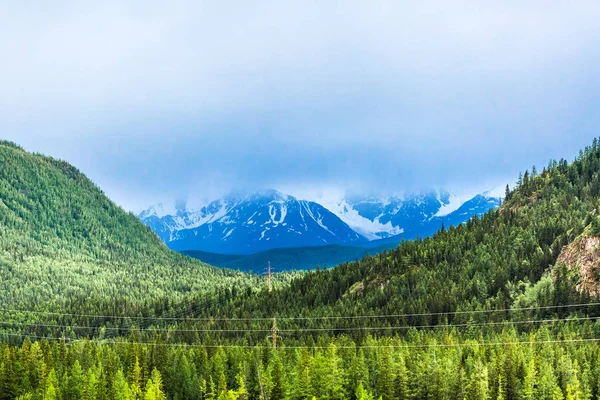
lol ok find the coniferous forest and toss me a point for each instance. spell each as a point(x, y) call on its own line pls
point(94, 306)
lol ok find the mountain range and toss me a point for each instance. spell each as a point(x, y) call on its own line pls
point(246, 224)
point(88, 291)
point(243, 224)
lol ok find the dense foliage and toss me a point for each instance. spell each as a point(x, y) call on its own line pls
point(289, 258)
point(478, 311)
point(62, 240)
point(487, 263)
point(439, 366)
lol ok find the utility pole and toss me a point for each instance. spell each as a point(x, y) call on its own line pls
point(269, 284)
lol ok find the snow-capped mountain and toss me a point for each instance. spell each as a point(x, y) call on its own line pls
point(245, 224)
point(478, 205)
point(268, 219)
point(419, 214)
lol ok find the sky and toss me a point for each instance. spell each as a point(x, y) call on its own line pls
point(158, 101)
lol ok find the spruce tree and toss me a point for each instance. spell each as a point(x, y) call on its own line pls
point(120, 387)
point(362, 394)
point(385, 383)
point(506, 193)
point(278, 392)
point(136, 381)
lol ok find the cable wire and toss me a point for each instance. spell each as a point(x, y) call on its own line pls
point(283, 347)
point(306, 318)
point(220, 330)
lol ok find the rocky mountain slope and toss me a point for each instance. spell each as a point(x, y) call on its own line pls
point(268, 219)
point(244, 224)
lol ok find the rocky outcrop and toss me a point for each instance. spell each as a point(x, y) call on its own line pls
point(583, 255)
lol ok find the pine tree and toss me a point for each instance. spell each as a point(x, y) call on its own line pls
point(203, 388)
point(385, 383)
point(51, 393)
point(120, 388)
point(357, 372)
point(526, 182)
point(241, 392)
point(401, 380)
point(574, 391)
point(557, 394)
point(75, 382)
point(158, 384)
point(321, 376)
point(278, 392)
point(362, 394)
point(212, 389)
point(90, 386)
point(37, 366)
point(253, 383)
point(8, 379)
point(52, 386)
point(222, 383)
point(478, 386)
point(136, 381)
point(154, 388)
point(302, 381)
point(529, 381)
point(501, 389)
point(336, 374)
point(546, 384)
point(507, 193)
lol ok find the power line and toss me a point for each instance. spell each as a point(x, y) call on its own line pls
point(304, 318)
point(244, 330)
point(465, 325)
point(177, 314)
point(283, 347)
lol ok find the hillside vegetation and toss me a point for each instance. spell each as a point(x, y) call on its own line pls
point(488, 263)
point(478, 311)
point(288, 258)
point(63, 241)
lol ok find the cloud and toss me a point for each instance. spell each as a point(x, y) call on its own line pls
point(189, 99)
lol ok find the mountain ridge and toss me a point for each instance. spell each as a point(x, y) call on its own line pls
point(65, 241)
point(369, 320)
point(251, 223)
point(228, 225)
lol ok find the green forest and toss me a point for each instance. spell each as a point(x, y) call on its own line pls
point(94, 306)
point(288, 258)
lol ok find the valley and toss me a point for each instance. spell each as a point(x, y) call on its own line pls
point(292, 200)
point(289, 258)
point(95, 304)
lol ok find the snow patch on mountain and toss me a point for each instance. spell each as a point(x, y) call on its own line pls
point(370, 229)
point(159, 210)
point(498, 192)
point(453, 204)
point(244, 223)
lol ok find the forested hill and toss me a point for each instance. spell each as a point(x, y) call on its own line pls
point(506, 257)
point(497, 308)
point(48, 201)
point(62, 239)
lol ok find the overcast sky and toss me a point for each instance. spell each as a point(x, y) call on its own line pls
point(164, 100)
